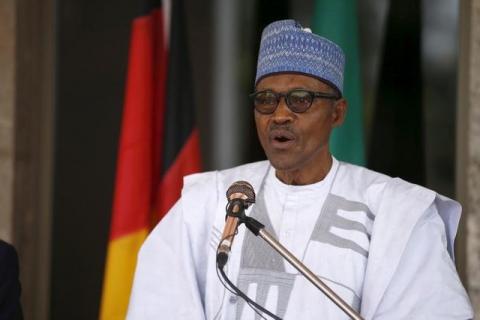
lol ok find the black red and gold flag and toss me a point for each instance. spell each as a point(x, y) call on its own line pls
point(159, 144)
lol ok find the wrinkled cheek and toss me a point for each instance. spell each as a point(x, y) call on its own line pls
point(263, 141)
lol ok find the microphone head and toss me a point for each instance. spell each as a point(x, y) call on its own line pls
point(244, 191)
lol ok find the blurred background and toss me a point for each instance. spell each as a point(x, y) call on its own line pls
point(63, 79)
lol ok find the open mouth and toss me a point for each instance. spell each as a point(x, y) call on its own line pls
point(281, 138)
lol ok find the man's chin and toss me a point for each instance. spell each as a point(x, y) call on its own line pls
point(282, 164)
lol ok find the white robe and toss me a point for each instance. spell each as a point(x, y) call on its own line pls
point(409, 273)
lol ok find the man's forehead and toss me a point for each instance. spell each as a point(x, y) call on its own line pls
point(287, 81)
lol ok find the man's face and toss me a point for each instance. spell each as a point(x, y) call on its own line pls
point(298, 141)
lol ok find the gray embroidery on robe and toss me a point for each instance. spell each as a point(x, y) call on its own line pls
point(263, 266)
point(215, 238)
point(329, 218)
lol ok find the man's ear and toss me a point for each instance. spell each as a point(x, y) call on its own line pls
point(339, 112)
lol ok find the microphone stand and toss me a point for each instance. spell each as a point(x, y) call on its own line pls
point(259, 230)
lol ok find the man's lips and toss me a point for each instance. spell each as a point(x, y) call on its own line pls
point(281, 138)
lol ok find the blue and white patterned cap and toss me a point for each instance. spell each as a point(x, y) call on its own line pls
point(286, 47)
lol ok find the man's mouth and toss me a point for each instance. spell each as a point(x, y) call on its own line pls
point(281, 139)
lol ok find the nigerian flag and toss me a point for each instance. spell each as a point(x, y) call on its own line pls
point(337, 21)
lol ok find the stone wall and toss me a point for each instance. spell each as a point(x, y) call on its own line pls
point(473, 162)
point(7, 101)
point(468, 152)
point(26, 142)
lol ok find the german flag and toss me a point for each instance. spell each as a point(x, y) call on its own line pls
point(159, 144)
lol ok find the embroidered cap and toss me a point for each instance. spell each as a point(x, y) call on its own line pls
point(287, 47)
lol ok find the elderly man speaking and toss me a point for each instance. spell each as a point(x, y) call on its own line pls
point(385, 246)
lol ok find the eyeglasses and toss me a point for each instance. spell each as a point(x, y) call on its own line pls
point(298, 100)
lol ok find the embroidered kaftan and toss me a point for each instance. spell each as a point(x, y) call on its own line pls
point(382, 244)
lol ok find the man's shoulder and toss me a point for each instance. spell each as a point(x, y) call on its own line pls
point(10, 289)
point(362, 177)
point(375, 188)
point(359, 183)
point(8, 260)
point(362, 173)
point(7, 252)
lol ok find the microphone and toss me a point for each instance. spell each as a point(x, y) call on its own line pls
point(239, 195)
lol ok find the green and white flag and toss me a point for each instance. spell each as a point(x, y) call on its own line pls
point(337, 21)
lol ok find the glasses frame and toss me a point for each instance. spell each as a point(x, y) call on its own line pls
point(286, 96)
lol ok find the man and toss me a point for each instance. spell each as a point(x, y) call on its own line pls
point(10, 308)
point(383, 245)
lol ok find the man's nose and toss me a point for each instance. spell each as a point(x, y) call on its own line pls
point(283, 114)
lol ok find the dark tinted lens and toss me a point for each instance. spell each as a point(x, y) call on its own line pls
point(299, 100)
point(265, 102)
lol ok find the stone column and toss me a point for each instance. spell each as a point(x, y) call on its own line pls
point(33, 144)
point(7, 102)
point(468, 146)
point(26, 142)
